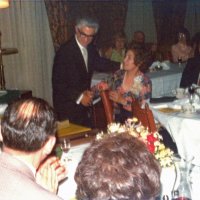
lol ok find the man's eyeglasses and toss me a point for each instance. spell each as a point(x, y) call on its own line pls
point(85, 35)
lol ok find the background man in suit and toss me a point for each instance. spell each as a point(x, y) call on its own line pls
point(73, 67)
point(191, 72)
point(28, 130)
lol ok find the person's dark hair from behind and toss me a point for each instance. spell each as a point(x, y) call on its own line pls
point(196, 44)
point(117, 168)
point(142, 56)
point(27, 124)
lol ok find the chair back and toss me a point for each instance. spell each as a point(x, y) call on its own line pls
point(144, 115)
point(108, 106)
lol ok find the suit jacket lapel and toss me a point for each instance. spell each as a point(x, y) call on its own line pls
point(79, 57)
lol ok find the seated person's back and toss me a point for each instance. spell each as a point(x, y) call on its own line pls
point(28, 129)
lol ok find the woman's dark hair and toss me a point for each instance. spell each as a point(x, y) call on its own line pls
point(142, 56)
point(184, 31)
point(117, 168)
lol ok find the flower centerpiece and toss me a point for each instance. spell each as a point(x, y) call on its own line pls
point(153, 140)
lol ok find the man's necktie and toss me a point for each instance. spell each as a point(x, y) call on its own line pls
point(85, 57)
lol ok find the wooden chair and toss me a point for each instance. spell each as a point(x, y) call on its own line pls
point(108, 106)
point(144, 115)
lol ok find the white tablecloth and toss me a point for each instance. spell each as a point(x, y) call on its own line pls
point(184, 129)
point(67, 189)
point(163, 82)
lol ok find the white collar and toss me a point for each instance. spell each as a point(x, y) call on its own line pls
point(80, 46)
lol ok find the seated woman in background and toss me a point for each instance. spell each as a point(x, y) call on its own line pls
point(182, 50)
point(129, 82)
point(117, 167)
point(191, 73)
point(117, 51)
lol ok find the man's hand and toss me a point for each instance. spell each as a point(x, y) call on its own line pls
point(87, 98)
point(49, 173)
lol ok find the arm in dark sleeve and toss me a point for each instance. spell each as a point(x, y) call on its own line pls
point(64, 79)
point(187, 77)
point(103, 64)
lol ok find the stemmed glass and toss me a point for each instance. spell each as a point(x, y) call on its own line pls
point(191, 91)
point(179, 61)
point(65, 145)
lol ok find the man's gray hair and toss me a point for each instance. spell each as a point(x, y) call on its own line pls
point(89, 22)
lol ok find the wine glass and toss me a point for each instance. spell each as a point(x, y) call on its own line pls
point(179, 61)
point(65, 146)
point(191, 91)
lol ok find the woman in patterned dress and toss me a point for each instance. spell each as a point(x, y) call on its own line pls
point(129, 82)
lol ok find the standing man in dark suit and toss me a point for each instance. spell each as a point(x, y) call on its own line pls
point(73, 68)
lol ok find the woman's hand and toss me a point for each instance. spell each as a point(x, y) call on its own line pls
point(117, 97)
point(49, 173)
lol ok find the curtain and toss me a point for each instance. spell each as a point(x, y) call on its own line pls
point(140, 17)
point(62, 15)
point(192, 19)
point(169, 17)
point(57, 12)
point(24, 25)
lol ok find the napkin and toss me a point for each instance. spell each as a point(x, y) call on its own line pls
point(157, 65)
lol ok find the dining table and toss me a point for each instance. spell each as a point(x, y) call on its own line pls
point(164, 82)
point(67, 188)
point(184, 128)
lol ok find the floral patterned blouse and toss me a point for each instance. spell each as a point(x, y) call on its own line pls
point(140, 90)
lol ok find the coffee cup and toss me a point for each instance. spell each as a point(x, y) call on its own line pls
point(188, 108)
point(180, 93)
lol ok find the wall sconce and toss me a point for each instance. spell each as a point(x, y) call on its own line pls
point(4, 3)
